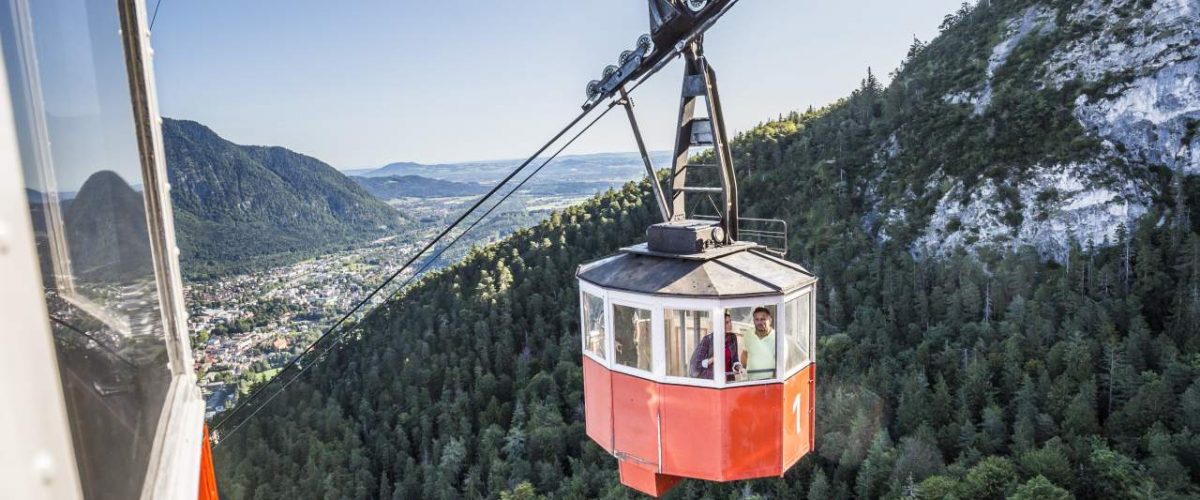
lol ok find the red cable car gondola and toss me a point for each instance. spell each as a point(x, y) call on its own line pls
point(661, 392)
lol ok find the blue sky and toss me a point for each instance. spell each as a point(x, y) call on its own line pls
point(361, 83)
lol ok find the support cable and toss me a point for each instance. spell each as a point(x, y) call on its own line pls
point(337, 339)
point(157, 6)
point(310, 348)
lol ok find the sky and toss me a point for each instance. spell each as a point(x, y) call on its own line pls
point(363, 83)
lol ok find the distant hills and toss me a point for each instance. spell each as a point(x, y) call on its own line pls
point(237, 206)
point(612, 168)
point(416, 186)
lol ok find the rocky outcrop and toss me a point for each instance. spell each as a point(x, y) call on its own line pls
point(1137, 65)
point(1036, 20)
point(1057, 205)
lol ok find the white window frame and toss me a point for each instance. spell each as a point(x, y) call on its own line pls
point(811, 291)
point(717, 332)
point(173, 467)
point(657, 304)
point(595, 291)
point(741, 303)
point(39, 455)
point(658, 362)
point(716, 307)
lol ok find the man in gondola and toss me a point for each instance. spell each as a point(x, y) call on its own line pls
point(702, 362)
point(758, 350)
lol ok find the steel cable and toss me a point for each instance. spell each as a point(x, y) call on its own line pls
point(296, 360)
point(310, 348)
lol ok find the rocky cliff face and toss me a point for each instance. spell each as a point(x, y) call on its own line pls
point(1133, 65)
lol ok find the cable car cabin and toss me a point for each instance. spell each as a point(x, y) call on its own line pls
point(661, 395)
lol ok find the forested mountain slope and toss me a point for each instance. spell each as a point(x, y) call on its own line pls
point(944, 373)
point(238, 205)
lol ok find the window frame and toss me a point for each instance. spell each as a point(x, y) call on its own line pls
point(173, 464)
point(175, 458)
point(751, 302)
point(38, 436)
point(656, 305)
point(657, 362)
point(811, 292)
point(597, 292)
point(718, 332)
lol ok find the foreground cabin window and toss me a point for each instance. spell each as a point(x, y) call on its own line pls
point(689, 344)
point(755, 330)
point(798, 336)
point(594, 336)
point(631, 331)
point(67, 77)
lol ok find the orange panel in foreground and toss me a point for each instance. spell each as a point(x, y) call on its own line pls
point(691, 431)
point(752, 444)
point(635, 420)
point(799, 393)
point(597, 406)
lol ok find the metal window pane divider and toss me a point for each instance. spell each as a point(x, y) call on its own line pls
point(175, 458)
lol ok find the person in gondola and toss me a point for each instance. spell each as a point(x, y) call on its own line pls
point(758, 351)
point(701, 363)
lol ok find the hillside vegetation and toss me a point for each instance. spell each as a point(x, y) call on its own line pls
point(971, 372)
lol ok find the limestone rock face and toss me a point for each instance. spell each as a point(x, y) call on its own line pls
point(1140, 64)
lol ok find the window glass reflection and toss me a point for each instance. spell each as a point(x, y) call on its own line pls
point(689, 343)
point(594, 337)
point(71, 103)
point(631, 333)
point(798, 334)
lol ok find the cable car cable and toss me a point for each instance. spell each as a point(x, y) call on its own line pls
point(254, 395)
point(501, 202)
point(337, 339)
point(157, 6)
point(427, 246)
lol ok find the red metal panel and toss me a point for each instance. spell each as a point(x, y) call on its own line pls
point(798, 416)
point(645, 481)
point(739, 432)
point(635, 420)
point(691, 431)
point(752, 417)
point(597, 403)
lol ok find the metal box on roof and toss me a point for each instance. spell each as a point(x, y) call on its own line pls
point(683, 236)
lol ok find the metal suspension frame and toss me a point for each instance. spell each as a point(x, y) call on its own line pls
point(699, 81)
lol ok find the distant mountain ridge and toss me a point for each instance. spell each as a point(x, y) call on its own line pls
point(235, 205)
point(594, 167)
point(416, 186)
